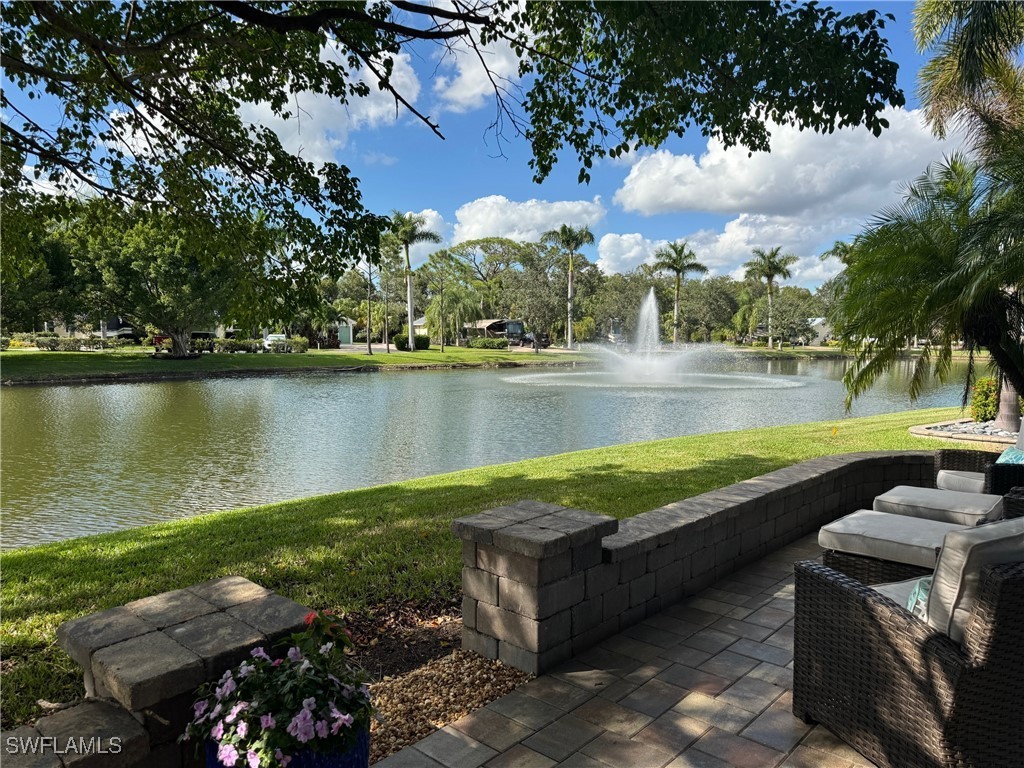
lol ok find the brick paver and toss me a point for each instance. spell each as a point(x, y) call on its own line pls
point(705, 683)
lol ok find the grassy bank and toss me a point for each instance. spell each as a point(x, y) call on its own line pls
point(354, 549)
point(31, 366)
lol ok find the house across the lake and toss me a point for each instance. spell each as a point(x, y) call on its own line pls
point(504, 328)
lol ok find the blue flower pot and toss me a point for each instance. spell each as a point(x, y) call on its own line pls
point(357, 756)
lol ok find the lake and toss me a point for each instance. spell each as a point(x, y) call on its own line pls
point(84, 459)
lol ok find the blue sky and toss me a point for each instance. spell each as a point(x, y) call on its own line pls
point(809, 191)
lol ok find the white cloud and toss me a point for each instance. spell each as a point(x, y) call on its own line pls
point(622, 253)
point(847, 171)
point(808, 192)
point(497, 216)
point(320, 125)
point(468, 86)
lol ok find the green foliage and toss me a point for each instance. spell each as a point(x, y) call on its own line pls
point(985, 399)
point(487, 342)
point(48, 343)
point(238, 345)
point(585, 329)
point(401, 341)
point(5, 343)
point(298, 344)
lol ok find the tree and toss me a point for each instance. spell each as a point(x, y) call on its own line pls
point(389, 270)
point(678, 259)
point(793, 309)
point(150, 96)
point(921, 269)
point(569, 240)
point(175, 273)
point(409, 229)
point(708, 305)
point(769, 266)
point(975, 77)
point(489, 259)
point(452, 302)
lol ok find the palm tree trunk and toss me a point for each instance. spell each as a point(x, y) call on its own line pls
point(369, 308)
point(675, 316)
point(1008, 417)
point(568, 326)
point(408, 299)
point(387, 341)
point(770, 339)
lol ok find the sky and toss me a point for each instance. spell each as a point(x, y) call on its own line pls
point(808, 192)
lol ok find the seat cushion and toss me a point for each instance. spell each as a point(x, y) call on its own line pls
point(937, 504)
point(897, 538)
point(958, 480)
point(1011, 456)
point(958, 570)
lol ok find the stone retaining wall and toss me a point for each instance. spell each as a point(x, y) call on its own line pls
point(541, 583)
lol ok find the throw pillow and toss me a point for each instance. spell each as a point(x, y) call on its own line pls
point(917, 603)
point(1011, 456)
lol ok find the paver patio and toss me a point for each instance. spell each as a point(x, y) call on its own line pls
point(706, 683)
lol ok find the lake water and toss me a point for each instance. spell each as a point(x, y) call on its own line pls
point(84, 459)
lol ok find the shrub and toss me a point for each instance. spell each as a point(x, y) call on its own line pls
point(486, 342)
point(759, 343)
point(279, 346)
point(69, 344)
point(47, 342)
point(46, 334)
point(28, 338)
point(402, 342)
point(5, 343)
point(298, 344)
point(985, 399)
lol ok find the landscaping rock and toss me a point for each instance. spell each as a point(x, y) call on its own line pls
point(274, 616)
point(169, 608)
point(220, 640)
point(229, 590)
point(24, 748)
point(84, 636)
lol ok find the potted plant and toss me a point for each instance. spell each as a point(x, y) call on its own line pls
point(308, 707)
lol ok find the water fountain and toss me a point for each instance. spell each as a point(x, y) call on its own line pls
point(650, 364)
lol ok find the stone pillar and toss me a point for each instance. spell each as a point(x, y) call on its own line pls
point(524, 571)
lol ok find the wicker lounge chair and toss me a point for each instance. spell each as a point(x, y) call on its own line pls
point(870, 570)
point(998, 478)
point(901, 693)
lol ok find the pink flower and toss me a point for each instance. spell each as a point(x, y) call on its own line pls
point(260, 653)
point(227, 689)
point(267, 722)
point(200, 707)
point(235, 710)
point(282, 758)
point(277, 662)
point(309, 703)
point(242, 729)
point(321, 728)
point(245, 668)
point(294, 654)
point(301, 726)
point(253, 758)
point(340, 720)
point(326, 648)
point(227, 754)
point(217, 731)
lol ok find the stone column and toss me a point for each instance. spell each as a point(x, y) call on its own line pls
point(524, 570)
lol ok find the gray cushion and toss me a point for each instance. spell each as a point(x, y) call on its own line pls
point(897, 538)
point(958, 571)
point(944, 506)
point(958, 480)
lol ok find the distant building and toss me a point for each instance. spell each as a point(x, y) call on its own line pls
point(503, 328)
point(821, 331)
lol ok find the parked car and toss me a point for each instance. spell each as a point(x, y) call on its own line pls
point(543, 340)
point(271, 338)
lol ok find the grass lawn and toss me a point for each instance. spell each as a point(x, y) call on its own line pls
point(33, 365)
point(350, 550)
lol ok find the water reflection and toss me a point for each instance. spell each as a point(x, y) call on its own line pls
point(84, 459)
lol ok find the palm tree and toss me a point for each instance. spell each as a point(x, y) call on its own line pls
point(769, 266)
point(409, 229)
point(680, 260)
point(975, 76)
point(570, 240)
point(940, 266)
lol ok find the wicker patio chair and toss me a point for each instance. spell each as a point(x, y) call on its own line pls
point(870, 570)
point(999, 478)
point(901, 693)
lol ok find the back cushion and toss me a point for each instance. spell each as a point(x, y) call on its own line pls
point(958, 570)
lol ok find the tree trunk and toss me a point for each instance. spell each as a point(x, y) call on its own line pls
point(180, 342)
point(369, 309)
point(675, 316)
point(770, 339)
point(1008, 417)
point(568, 327)
point(387, 341)
point(408, 299)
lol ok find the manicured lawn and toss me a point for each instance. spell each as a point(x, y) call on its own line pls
point(32, 365)
point(349, 550)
